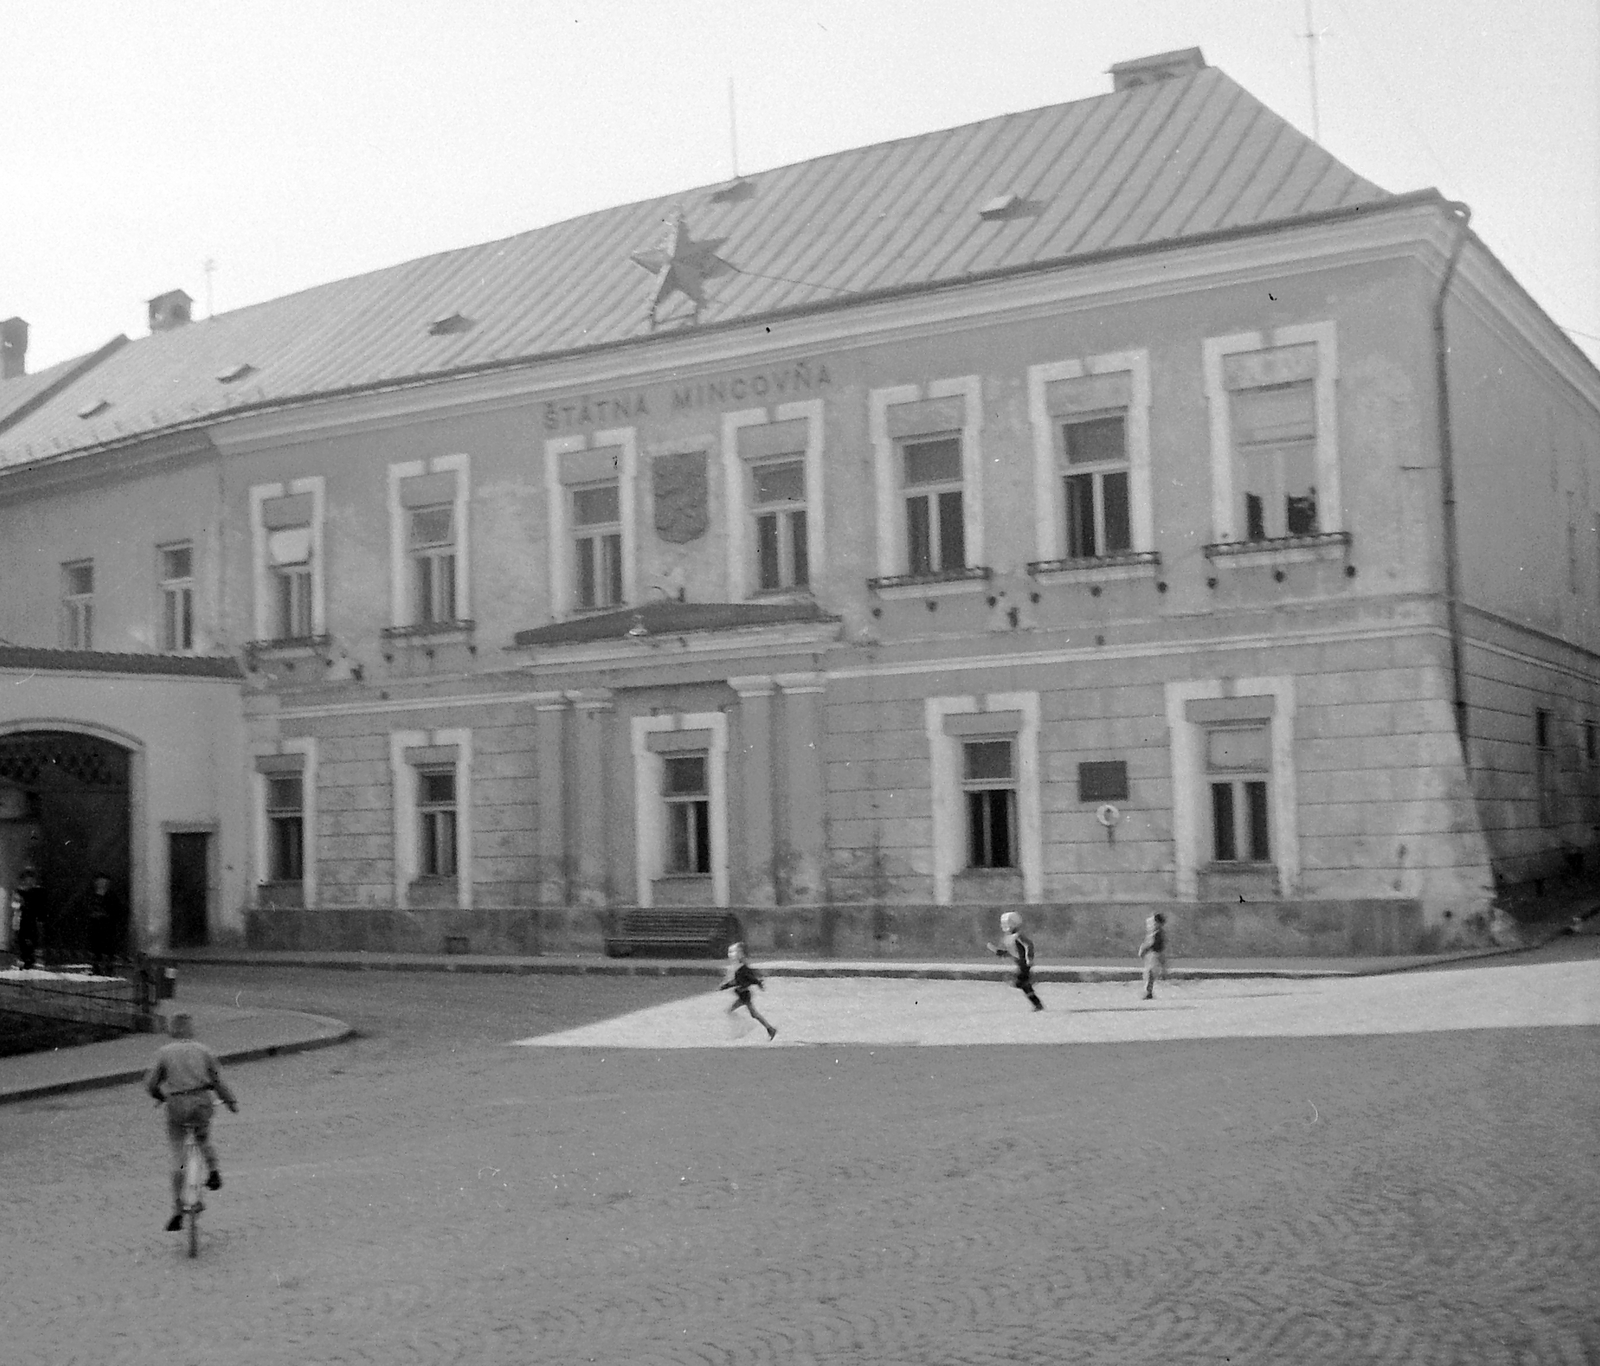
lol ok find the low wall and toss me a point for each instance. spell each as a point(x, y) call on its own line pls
point(114, 1002)
point(1271, 929)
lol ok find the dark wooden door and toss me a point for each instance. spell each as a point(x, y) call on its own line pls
point(188, 889)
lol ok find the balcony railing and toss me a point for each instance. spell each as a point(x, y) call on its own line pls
point(971, 573)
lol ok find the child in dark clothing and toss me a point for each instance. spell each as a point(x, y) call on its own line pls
point(1016, 946)
point(741, 977)
point(1153, 952)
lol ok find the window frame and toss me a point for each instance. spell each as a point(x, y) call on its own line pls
point(980, 794)
point(177, 599)
point(77, 606)
point(438, 856)
point(433, 600)
point(412, 755)
point(405, 576)
point(296, 757)
point(309, 595)
point(932, 494)
point(742, 533)
point(1249, 799)
point(1226, 505)
point(695, 806)
point(791, 544)
point(281, 818)
point(1273, 454)
point(1095, 471)
point(601, 544)
point(568, 464)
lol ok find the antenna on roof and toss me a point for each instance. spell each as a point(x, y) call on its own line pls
point(210, 266)
point(733, 129)
point(1311, 52)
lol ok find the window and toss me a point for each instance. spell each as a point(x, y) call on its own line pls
point(177, 597)
point(935, 522)
point(1544, 759)
point(597, 536)
point(688, 800)
point(1239, 764)
point(1275, 444)
point(289, 560)
point(779, 499)
point(285, 828)
point(77, 605)
point(989, 781)
point(432, 543)
point(436, 814)
point(1095, 449)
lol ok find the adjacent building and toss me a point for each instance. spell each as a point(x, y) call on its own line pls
point(1116, 506)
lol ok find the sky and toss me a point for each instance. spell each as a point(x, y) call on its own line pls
point(300, 141)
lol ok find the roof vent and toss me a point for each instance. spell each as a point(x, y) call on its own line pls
point(13, 348)
point(1164, 66)
point(1007, 206)
point(234, 372)
point(169, 310)
point(734, 192)
point(454, 322)
point(95, 408)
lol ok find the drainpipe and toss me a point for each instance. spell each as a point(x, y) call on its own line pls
point(1447, 477)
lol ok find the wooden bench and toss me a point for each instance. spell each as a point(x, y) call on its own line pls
point(702, 932)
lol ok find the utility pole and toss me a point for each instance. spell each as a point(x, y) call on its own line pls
point(1311, 53)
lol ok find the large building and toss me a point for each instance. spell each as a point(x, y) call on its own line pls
point(1116, 506)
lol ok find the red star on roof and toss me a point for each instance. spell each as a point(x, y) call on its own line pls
point(681, 265)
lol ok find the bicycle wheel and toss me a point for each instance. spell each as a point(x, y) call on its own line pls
point(191, 1192)
point(193, 1221)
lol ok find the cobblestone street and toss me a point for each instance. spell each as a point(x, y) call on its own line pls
point(428, 1194)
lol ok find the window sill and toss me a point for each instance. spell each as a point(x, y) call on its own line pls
point(288, 647)
point(1322, 545)
point(1138, 564)
point(432, 631)
point(944, 583)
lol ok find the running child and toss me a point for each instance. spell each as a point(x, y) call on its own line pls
point(741, 977)
point(184, 1075)
point(1016, 946)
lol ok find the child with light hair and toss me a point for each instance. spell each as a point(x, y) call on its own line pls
point(741, 977)
point(1016, 946)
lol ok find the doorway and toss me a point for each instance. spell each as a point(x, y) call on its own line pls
point(189, 888)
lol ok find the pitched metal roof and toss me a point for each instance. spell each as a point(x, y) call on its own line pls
point(39, 660)
point(1134, 169)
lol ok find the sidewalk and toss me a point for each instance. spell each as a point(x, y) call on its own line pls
point(233, 1035)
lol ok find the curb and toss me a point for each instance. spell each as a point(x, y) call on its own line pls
point(136, 1074)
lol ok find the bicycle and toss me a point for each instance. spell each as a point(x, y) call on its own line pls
point(193, 1180)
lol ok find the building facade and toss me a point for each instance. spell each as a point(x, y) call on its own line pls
point(1161, 517)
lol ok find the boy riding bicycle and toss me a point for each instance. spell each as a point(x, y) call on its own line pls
point(184, 1075)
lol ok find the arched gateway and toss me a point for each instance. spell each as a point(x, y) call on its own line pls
point(65, 811)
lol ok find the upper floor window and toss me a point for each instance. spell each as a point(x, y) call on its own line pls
point(77, 605)
point(177, 597)
point(288, 547)
point(431, 542)
point(428, 506)
point(778, 497)
point(1275, 460)
point(597, 545)
point(1274, 447)
point(931, 478)
point(1095, 452)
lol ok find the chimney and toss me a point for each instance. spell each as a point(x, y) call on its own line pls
point(13, 348)
point(1164, 66)
point(169, 310)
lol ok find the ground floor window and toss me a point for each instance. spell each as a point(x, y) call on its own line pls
point(688, 801)
point(1239, 766)
point(989, 783)
point(436, 813)
point(285, 828)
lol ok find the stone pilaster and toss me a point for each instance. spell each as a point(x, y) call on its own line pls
point(801, 817)
point(551, 718)
point(590, 750)
point(755, 871)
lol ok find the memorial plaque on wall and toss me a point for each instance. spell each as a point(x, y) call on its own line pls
point(682, 496)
